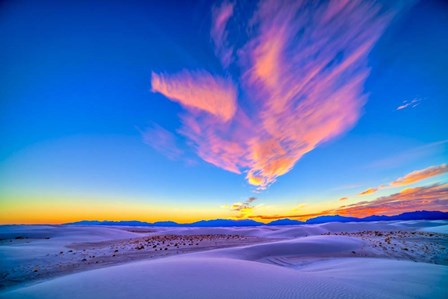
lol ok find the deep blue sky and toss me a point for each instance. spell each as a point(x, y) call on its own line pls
point(76, 97)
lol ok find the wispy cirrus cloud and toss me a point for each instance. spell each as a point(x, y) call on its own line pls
point(198, 90)
point(162, 141)
point(419, 175)
point(243, 209)
point(409, 104)
point(301, 74)
point(299, 207)
point(368, 191)
point(432, 198)
point(220, 16)
point(411, 155)
point(410, 178)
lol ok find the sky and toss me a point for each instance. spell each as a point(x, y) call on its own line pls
point(190, 110)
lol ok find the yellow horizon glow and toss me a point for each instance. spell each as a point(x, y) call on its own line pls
point(30, 210)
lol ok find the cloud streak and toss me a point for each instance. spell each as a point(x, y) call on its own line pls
point(220, 16)
point(301, 74)
point(198, 91)
point(162, 141)
point(411, 178)
point(433, 198)
point(409, 104)
point(243, 209)
point(419, 175)
point(368, 191)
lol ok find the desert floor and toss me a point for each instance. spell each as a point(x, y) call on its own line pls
point(395, 259)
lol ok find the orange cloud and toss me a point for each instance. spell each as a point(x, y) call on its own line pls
point(301, 216)
point(411, 178)
point(244, 209)
point(419, 175)
point(343, 198)
point(432, 198)
point(301, 76)
point(368, 191)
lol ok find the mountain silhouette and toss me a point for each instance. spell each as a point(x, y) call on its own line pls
point(285, 221)
point(416, 215)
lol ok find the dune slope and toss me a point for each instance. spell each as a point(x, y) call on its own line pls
point(312, 261)
point(189, 277)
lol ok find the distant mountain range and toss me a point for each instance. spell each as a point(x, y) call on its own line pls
point(417, 215)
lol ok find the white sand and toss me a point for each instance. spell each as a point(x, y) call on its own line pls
point(345, 262)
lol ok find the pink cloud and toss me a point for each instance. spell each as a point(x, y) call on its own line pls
point(431, 198)
point(411, 178)
point(162, 141)
point(419, 175)
point(199, 90)
point(302, 71)
point(220, 17)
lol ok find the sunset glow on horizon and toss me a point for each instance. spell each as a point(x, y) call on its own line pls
point(193, 111)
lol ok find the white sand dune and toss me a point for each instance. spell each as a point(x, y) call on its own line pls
point(304, 264)
point(441, 229)
point(315, 246)
point(42, 240)
point(190, 277)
